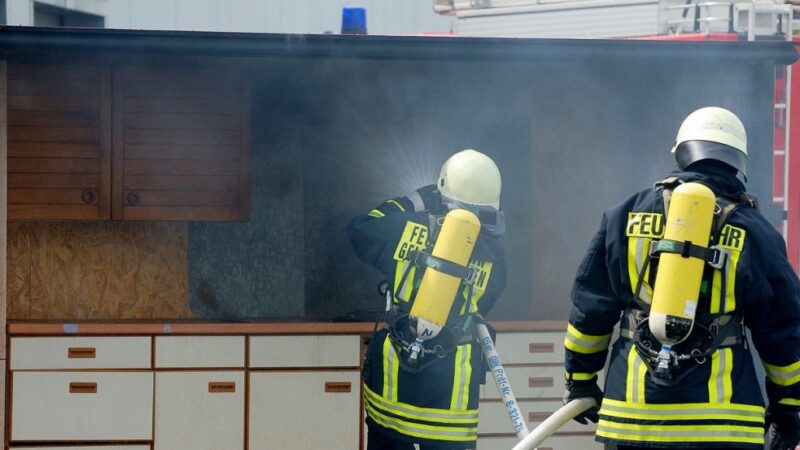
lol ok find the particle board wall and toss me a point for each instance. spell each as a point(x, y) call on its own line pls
point(97, 270)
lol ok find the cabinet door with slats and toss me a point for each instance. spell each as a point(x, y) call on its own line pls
point(59, 142)
point(181, 143)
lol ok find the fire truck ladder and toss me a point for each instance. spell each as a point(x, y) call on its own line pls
point(780, 15)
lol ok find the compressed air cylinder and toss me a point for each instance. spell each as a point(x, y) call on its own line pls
point(438, 290)
point(677, 287)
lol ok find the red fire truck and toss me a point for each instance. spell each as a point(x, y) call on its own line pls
point(733, 20)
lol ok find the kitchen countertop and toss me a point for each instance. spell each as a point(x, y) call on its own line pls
point(56, 328)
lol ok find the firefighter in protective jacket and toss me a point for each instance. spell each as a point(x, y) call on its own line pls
point(700, 391)
point(432, 398)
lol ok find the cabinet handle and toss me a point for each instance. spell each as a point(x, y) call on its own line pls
point(81, 352)
point(78, 387)
point(540, 382)
point(221, 386)
point(538, 416)
point(88, 196)
point(337, 386)
point(541, 347)
point(134, 198)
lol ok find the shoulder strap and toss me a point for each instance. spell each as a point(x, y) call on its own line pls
point(667, 185)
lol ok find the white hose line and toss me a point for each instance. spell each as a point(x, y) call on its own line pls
point(503, 385)
point(555, 422)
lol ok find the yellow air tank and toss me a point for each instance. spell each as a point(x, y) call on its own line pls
point(438, 290)
point(677, 287)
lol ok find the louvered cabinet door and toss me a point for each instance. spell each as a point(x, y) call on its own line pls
point(59, 142)
point(181, 144)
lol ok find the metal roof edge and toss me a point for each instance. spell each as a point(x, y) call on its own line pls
point(198, 43)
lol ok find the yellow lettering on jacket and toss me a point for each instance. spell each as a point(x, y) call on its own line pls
point(643, 224)
point(415, 237)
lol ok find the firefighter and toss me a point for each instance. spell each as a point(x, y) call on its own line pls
point(688, 381)
point(430, 399)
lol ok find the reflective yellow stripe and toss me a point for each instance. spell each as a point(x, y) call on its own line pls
point(459, 398)
point(442, 433)
point(676, 433)
point(468, 416)
point(585, 343)
point(720, 388)
point(683, 411)
point(789, 401)
point(376, 213)
point(634, 388)
point(578, 376)
point(637, 254)
point(404, 292)
point(391, 370)
point(726, 275)
point(393, 202)
point(783, 375)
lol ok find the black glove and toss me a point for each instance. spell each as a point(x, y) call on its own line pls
point(583, 389)
point(431, 198)
point(786, 434)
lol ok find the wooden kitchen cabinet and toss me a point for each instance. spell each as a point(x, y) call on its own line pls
point(128, 143)
point(181, 143)
point(59, 142)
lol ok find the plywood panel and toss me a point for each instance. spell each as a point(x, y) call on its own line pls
point(97, 270)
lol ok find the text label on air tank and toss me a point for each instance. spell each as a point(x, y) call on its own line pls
point(415, 237)
point(643, 224)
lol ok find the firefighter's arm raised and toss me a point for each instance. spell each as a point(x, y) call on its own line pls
point(368, 232)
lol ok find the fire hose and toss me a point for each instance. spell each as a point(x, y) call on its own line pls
point(529, 440)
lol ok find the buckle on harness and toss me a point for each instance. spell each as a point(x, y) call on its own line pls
point(719, 257)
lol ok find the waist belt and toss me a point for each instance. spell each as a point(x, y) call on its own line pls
point(726, 330)
point(457, 331)
point(717, 332)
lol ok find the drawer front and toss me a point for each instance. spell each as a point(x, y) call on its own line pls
point(123, 352)
point(304, 351)
point(557, 442)
point(199, 410)
point(81, 406)
point(530, 382)
point(526, 348)
point(494, 418)
point(199, 351)
point(93, 447)
point(290, 401)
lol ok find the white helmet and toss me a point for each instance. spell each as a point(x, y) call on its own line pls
point(702, 131)
point(472, 178)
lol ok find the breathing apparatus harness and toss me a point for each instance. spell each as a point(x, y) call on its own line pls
point(711, 331)
point(458, 330)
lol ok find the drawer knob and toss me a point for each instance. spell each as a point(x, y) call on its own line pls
point(81, 353)
point(538, 417)
point(338, 386)
point(134, 198)
point(216, 387)
point(88, 196)
point(80, 387)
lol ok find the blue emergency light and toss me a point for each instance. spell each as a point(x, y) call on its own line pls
point(354, 21)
